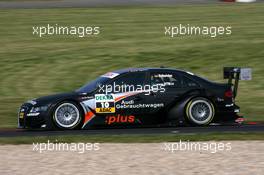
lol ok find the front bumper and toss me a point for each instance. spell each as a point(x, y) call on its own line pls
point(25, 120)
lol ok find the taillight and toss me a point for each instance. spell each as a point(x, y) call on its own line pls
point(229, 93)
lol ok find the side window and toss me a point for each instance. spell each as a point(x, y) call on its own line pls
point(129, 82)
point(187, 82)
point(133, 78)
point(169, 80)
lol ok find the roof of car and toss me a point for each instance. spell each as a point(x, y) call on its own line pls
point(146, 69)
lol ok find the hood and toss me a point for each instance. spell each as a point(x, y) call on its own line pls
point(55, 98)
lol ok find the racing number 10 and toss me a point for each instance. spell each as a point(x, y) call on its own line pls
point(105, 104)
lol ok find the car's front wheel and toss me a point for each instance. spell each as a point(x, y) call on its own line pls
point(200, 111)
point(67, 115)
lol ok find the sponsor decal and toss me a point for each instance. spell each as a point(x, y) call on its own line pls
point(168, 84)
point(219, 99)
point(163, 75)
point(119, 119)
point(130, 104)
point(104, 103)
point(110, 75)
point(163, 80)
point(86, 97)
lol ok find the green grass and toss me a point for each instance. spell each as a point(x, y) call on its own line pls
point(133, 138)
point(130, 37)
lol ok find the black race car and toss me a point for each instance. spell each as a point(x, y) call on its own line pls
point(136, 97)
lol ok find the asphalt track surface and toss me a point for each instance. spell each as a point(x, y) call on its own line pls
point(94, 3)
point(137, 131)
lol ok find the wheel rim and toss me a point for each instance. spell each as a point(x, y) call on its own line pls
point(201, 112)
point(67, 115)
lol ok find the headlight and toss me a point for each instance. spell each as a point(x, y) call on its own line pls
point(38, 109)
point(33, 102)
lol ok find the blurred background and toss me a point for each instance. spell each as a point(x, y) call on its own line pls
point(130, 36)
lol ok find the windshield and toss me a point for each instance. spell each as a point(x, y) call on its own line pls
point(91, 86)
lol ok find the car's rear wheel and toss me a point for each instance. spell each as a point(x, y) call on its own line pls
point(200, 111)
point(67, 115)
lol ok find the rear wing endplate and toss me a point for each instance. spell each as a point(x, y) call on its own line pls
point(236, 74)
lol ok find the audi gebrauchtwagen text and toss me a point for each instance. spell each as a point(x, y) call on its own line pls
point(137, 97)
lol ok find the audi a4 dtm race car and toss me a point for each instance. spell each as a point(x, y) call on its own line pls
point(137, 97)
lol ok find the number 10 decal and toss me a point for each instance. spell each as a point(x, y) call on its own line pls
point(105, 103)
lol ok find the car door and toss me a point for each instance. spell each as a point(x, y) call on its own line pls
point(170, 84)
point(128, 98)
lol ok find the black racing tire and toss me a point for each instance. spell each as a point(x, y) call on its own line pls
point(200, 111)
point(67, 115)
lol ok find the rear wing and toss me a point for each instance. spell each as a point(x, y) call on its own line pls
point(236, 74)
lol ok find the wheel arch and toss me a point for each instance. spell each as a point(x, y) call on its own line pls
point(177, 110)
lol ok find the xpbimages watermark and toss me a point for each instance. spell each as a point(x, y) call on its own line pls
point(79, 31)
point(188, 30)
point(121, 88)
point(212, 147)
point(59, 146)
